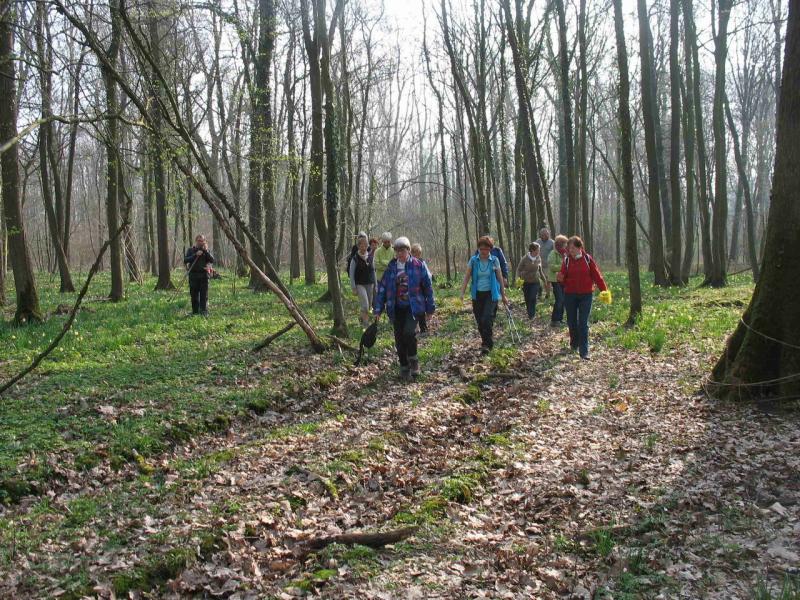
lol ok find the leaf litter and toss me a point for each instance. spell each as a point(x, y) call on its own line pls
point(558, 482)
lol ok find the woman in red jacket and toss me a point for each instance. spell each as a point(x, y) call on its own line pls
point(579, 274)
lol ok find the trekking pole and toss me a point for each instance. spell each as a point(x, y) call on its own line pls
point(179, 287)
point(512, 327)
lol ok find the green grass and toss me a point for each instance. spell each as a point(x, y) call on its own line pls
point(700, 318)
point(160, 377)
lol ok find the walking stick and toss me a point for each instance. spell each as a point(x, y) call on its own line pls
point(512, 327)
point(179, 288)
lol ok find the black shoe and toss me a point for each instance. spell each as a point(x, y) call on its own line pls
point(585, 357)
point(485, 350)
point(405, 374)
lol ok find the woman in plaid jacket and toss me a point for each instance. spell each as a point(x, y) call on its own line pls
point(405, 290)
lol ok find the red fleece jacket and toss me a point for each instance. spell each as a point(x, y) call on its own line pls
point(580, 275)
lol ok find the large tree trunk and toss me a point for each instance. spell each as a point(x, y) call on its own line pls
point(157, 159)
point(676, 265)
point(762, 357)
point(323, 145)
point(566, 116)
point(700, 138)
point(27, 298)
point(649, 116)
point(113, 162)
point(720, 218)
point(626, 160)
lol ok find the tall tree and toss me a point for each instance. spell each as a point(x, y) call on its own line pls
point(626, 162)
point(157, 149)
point(676, 265)
point(27, 298)
point(703, 187)
point(323, 198)
point(113, 158)
point(48, 165)
point(648, 116)
point(719, 238)
point(762, 357)
point(566, 114)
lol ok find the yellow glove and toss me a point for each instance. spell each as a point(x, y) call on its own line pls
point(605, 297)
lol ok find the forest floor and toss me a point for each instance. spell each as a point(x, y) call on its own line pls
point(157, 456)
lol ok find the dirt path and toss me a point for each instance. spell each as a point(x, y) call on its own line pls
point(552, 478)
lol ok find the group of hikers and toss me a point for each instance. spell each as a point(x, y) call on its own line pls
point(393, 278)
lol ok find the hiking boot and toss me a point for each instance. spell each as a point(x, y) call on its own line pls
point(485, 350)
point(413, 367)
point(405, 374)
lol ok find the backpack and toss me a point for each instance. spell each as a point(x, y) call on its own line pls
point(350, 258)
point(586, 257)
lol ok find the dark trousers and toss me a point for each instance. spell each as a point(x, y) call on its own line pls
point(558, 303)
point(484, 310)
point(198, 290)
point(405, 334)
point(530, 292)
point(578, 307)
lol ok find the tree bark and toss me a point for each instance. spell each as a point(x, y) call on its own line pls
point(25, 286)
point(626, 160)
point(741, 165)
point(762, 357)
point(700, 138)
point(164, 281)
point(676, 264)
point(648, 116)
point(323, 146)
point(720, 217)
point(566, 106)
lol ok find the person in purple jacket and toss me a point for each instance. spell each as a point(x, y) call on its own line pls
point(405, 290)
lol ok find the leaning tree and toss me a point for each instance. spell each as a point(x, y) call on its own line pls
point(762, 358)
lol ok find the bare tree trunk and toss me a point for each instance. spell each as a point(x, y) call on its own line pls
point(648, 115)
point(25, 286)
point(626, 160)
point(689, 158)
point(266, 44)
point(720, 218)
point(700, 138)
point(741, 165)
point(566, 106)
point(676, 267)
point(323, 146)
point(113, 159)
point(583, 111)
point(762, 358)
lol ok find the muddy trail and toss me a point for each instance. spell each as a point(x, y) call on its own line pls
point(526, 474)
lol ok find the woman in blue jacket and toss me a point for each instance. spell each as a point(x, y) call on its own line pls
point(404, 291)
point(487, 289)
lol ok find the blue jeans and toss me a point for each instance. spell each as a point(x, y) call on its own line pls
point(531, 293)
point(558, 303)
point(484, 310)
point(578, 307)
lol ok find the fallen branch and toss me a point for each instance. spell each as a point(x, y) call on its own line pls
point(271, 338)
point(70, 320)
point(373, 540)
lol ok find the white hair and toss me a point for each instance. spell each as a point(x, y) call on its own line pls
point(386, 236)
point(402, 242)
